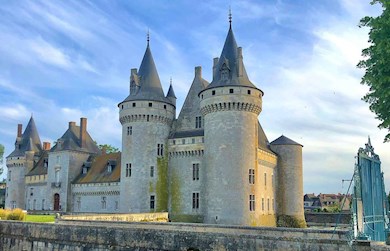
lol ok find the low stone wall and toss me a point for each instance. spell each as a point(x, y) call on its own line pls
point(328, 219)
point(144, 217)
point(93, 235)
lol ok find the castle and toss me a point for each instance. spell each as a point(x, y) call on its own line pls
point(211, 164)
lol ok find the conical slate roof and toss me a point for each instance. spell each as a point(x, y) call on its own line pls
point(283, 140)
point(230, 59)
point(185, 123)
point(171, 92)
point(149, 82)
point(29, 141)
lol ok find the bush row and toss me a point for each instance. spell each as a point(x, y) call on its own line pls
point(14, 214)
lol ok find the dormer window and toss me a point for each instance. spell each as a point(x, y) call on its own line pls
point(111, 165)
point(224, 72)
point(85, 170)
point(45, 162)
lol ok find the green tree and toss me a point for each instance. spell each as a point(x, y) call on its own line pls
point(108, 148)
point(376, 63)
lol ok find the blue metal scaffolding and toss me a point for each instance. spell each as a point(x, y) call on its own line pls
point(370, 204)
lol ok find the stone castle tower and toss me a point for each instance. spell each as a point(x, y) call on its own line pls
point(146, 116)
point(28, 147)
point(230, 106)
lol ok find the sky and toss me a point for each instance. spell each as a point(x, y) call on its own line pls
point(62, 60)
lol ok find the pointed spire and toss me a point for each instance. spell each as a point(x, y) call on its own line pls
point(31, 134)
point(150, 81)
point(171, 92)
point(29, 140)
point(147, 85)
point(148, 37)
point(229, 70)
point(230, 17)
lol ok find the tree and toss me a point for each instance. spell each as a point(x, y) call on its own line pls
point(376, 63)
point(108, 148)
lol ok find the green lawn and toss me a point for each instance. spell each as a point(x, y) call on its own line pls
point(40, 218)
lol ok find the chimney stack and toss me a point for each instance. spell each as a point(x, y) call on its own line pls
point(20, 126)
point(71, 124)
point(46, 146)
point(215, 70)
point(198, 71)
point(83, 132)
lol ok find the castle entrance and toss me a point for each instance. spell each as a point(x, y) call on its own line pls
point(56, 202)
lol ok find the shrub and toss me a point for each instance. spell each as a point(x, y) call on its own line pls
point(290, 221)
point(17, 214)
point(4, 213)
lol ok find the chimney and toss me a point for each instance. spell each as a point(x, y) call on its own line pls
point(215, 63)
point(240, 65)
point(71, 124)
point(46, 146)
point(83, 132)
point(20, 126)
point(198, 71)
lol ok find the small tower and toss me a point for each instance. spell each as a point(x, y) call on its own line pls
point(146, 116)
point(27, 150)
point(290, 182)
point(230, 106)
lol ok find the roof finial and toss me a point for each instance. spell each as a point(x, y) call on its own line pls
point(230, 16)
point(170, 82)
point(148, 36)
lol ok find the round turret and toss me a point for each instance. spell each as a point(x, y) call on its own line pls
point(290, 182)
point(146, 116)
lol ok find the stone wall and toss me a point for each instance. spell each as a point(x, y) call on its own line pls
point(328, 219)
point(82, 235)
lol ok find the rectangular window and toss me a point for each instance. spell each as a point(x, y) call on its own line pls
point(265, 179)
point(31, 191)
point(116, 205)
point(183, 141)
point(195, 200)
point(104, 202)
point(262, 204)
point(34, 204)
point(134, 104)
point(43, 204)
point(160, 149)
point(165, 106)
point(231, 90)
point(174, 142)
point(198, 122)
point(251, 202)
point(129, 130)
point(193, 141)
point(78, 203)
point(213, 93)
point(249, 92)
point(152, 200)
point(251, 176)
point(268, 204)
point(9, 176)
point(152, 171)
point(128, 170)
point(195, 171)
point(150, 104)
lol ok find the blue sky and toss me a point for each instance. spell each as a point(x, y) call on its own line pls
point(62, 60)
